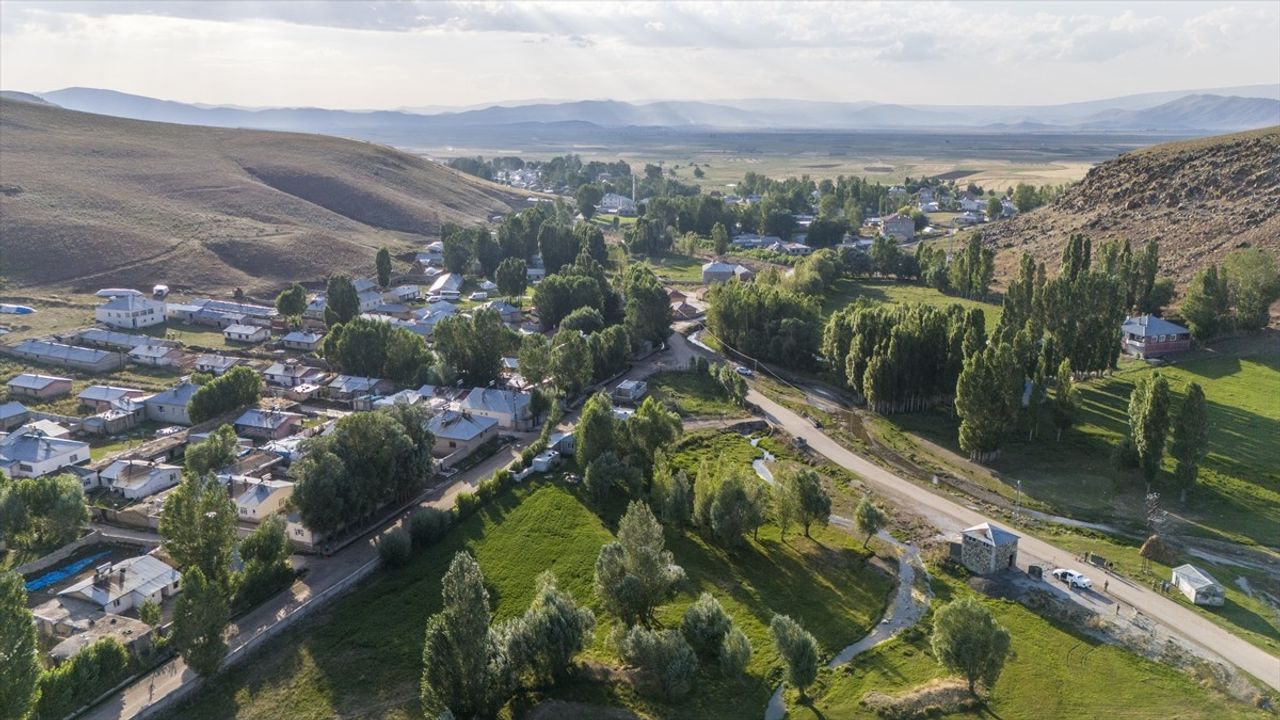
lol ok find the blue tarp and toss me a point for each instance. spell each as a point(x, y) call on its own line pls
point(64, 572)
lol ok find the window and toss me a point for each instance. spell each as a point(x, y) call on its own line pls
point(298, 532)
point(116, 603)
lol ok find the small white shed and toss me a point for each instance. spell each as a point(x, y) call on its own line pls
point(1199, 587)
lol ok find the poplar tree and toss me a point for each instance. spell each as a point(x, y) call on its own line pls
point(1065, 399)
point(19, 654)
point(987, 396)
point(1149, 422)
point(464, 670)
point(1189, 441)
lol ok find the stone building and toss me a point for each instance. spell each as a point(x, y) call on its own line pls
point(987, 549)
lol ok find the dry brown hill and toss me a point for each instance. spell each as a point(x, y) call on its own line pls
point(1200, 199)
point(88, 201)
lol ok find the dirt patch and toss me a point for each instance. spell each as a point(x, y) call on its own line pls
point(933, 699)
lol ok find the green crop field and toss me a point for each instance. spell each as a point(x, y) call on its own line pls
point(362, 657)
point(1053, 671)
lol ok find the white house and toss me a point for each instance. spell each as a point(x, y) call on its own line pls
point(446, 283)
point(301, 340)
point(217, 364)
point(130, 311)
point(1199, 587)
point(257, 499)
point(156, 355)
point(615, 204)
point(246, 333)
point(136, 479)
point(291, 374)
point(170, 406)
point(28, 452)
point(510, 408)
point(716, 272)
point(127, 584)
point(458, 434)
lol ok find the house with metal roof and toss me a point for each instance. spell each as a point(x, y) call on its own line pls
point(29, 452)
point(346, 388)
point(458, 434)
point(75, 356)
point(987, 548)
point(257, 498)
point(302, 340)
point(170, 406)
point(136, 479)
point(1147, 336)
point(127, 584)
point(115, 340)
point(241, 333)
point(12, 414)
point(1198, 585)
point(39, 387)
point(217, 364)
point(448, 282)
point(512, 410)
point(156, 355)
point(292, 374)
point(98, 398)
point(267, 424)
point(130, 311)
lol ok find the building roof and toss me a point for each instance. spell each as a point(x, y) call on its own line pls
point(32, 446)
point(448, 282)
point(454, 425)
point(102, 336)
point(131, 303)
point(716, 266)
point(143, 574)
point(34, 381)
point(106, 393)
point(179, 394)
point(991, 534)
point(12, 409)
point(258, 492)
point(151, 351)
point(218, 362)
point(135, 473)
point(299, 336)
point(228, 307)
point(1150, 325)
point(265, 419)
point(632, 385)
point(45, 350)
point(353, 383)
point(507, 402)
point(239, 329)
point(1195, 577)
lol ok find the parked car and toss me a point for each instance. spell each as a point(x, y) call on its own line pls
point(743, 370)
point(479, 296)
point(1071, 578)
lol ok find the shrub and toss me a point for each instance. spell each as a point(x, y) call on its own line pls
point(705, 624)
point(467, 504)
point(735, 653)
point(1125, 455)
point(88, 674)
point(428, 524)
point(664, 656)
point(395, 547)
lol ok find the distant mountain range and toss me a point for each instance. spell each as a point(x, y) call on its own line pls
point(1187, 113)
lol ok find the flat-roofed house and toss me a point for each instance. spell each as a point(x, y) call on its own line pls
point(130, 311)
point(346, 388)
point(512, 410)
point(170, 406)
point(267, 424)
point(38, 387)
point(127, 584)
point(100, 398)
point(136, 479)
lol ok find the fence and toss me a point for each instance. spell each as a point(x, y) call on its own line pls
point(58, 555)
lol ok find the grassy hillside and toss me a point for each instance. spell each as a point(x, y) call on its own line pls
point(1199, 198)
point(88, 201)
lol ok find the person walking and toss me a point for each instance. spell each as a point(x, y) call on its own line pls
point(1105, 584)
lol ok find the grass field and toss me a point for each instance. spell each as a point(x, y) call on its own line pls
point(693, 394)
point(845, 291)
point(1053, 671)
point(363, 656)
point(150, 379)
point(675, 268)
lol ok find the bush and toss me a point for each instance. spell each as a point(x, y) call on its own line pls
point(467, 504)
point(395, 547)
point(89, 673)
point(735, 653)
point(428, 524)
point(705, 624)
point(1125, 455)
point(664, 656)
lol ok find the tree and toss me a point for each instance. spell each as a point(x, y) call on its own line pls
point(474, 345)
point(987, 400)
point(591, 242)
point(43, 511)
point(149, 612)
point(558, 246)
point(588, 197)
point(488, 252)
point(292, 301)
point(457, 252)
point(635, 573)
point(735, 653)
point(559, 295)
point(869, 518)
point(610, 348)
point(199, 527)
point(647, 309)
point(798, 651)
point(705, 624)
point(607, 472)
point(571, 362)
point(651, 428)
point(341, 301)
point(596, 431)
point(1149, 422)
point(810, 500)
point(1254, 286)
point(382, 265)
point(200, 618)
point(215, 452)
point(464, 669)
point(265, 553)
point(671, 492)
point(1189, 442)
point(19, 655)
point(1066, 399)
point(994, 208)
point(320, 490)
point(967, 640)
point(511, 277)
point(541, 643)
point(584, 320)
point(665, 656)
point(720, 239)
point(1206, 307)
point(239, 387)
point(535, 358)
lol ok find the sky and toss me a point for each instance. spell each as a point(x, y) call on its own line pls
point(363, 54)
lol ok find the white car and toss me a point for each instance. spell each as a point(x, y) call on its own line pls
point(743, 371)
point(479, 296)
point(1073, 578)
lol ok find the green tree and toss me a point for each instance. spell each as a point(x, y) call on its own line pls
point(705, 624)
point(1254, 285)
point(559, 295)
point(736, 507)
point(584, 320)
point(41, 512)
point(215, 452)
point(19, 655)
point(265, 553)
point(511, 277)
point(474, 345)
point(535, 358)
point(541, 643)
point(607, 472)
point(720, 239)
point(735, 653)
point(341, 301)
point(597, 430)
point(665, 656)
point(967, 640)
point(588, 197)
point(987, 400)
point(635, 573)
point(488, 252)
point(382, 265)
point(1189, 441)
point(200, 618)
point(591, 241)
point(149, 612)
point(239, 387)
point(458, 250)
point(811, 501)
point(651, 428)
point(199, 527)
point(1149, 422)
point(1066, 399)
point(571, 362)
point(292, 301)
point(320, 491)
point(994, 208)
point(647, 310)
point(869, 518)
point(798, 651)
point(464, 669)
point(1206, 307)
point(671, 492)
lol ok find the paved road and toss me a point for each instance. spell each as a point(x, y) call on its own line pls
point(949, 516)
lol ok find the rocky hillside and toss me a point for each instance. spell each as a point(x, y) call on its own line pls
point(88, 201)
point(1200, 199)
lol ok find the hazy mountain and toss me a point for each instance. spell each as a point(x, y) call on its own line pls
point(1203, 112)
point(23, 97)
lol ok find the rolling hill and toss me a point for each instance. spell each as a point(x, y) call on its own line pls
point(89, 200)
point(1199, 198)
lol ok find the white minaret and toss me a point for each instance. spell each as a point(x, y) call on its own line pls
point(633, 187)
